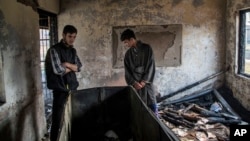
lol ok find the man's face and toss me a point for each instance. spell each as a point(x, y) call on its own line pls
point(128, 43)
point(69, 38)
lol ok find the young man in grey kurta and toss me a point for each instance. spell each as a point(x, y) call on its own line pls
point(139, 67)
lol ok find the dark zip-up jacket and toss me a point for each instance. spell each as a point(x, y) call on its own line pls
point(57, 80)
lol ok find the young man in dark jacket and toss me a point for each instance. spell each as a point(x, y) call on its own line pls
point(61, 63)
point(139, 67)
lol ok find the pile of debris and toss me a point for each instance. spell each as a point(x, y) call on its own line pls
point(200, 117)
point(48, 114)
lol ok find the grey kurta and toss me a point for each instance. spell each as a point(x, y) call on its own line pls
point(140, 66)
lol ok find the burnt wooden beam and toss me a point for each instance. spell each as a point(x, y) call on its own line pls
point(189, 86)
point(205, 112)
point(172, 114)
point(212, 120)
point(178, 122)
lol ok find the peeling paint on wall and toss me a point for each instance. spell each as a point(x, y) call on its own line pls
point(165, 40)
point(3, 32)
point(20, 66)
point(33, 3)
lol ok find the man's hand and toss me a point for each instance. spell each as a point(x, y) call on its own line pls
point(143, 83)
point(137, 86)
point(70, 66)
point(66, 64)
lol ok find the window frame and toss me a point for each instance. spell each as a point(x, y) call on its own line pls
point(242, 42)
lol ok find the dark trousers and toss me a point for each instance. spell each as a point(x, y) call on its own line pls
point(59, 102)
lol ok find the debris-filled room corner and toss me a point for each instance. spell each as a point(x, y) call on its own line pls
point(204, 115)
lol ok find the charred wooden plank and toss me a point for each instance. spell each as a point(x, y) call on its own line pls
point(188, 116)
point(177, 122)
point(191, 116)
point(171, 114)
point(230, 116)
point(205, 112)
point(175, 116)
point(212, 120)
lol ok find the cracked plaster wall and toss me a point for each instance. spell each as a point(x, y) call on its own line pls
point(239, 85)
point(203, 38)
point(166, 44)
point(49, 5)
point(22, 115)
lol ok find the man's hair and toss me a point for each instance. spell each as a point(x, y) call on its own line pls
point(127, 34)
point(69, 29)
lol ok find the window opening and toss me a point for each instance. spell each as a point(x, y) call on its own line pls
point(48, 36)
point(244, 43)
